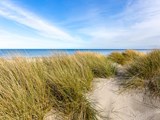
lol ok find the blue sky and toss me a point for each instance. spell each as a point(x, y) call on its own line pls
point(91, 24)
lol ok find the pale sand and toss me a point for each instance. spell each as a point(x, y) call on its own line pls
point(122, 106)
point(115, 106)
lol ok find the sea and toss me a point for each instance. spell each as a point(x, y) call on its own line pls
point(50, 52)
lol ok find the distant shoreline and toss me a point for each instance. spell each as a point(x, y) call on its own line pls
point(49, 52)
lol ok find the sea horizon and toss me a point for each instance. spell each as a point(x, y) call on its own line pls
point(49, 52)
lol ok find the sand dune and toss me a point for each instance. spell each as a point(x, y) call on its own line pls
point(115, 106)
point(122, 106)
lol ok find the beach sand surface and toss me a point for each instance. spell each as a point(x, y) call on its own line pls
point(126, 106)
point(115, 106)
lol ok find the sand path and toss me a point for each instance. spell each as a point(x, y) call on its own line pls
point(122, 106)
point(115, 106)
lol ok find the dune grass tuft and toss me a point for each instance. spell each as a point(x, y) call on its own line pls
point(117, 57)
point(31, 87)
point(125, 57)
point(23, 91)
point(69, 80)
point(145, 70)
point(99, 64)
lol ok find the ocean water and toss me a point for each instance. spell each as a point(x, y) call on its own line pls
point(49, 52)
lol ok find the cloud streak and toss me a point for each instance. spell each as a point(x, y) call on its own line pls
point(138, 26)
point(135, 26)
point(21, 16)
point(16, 41)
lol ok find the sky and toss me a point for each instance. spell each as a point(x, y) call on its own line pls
point(79, 24)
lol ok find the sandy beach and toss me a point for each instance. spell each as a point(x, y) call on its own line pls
point(79, 59)
point(81, 87)
point(117, 106)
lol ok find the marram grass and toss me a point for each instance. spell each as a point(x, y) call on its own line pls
point(125, 57)
point(30, 88)
point(99, 64)
point(144, 74)
point(23, 91)
point(68, 80)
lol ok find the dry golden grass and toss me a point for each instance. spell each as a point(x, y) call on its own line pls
point(145, 70)
point(99, 64)
point(30, 88)
point(23, 90)
point(125, 57)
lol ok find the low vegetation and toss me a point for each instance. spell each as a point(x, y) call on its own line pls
point(125, 57)
point(144, 73)
point(69, 80)
point(30, 88)
point(23, 90)
point(100, 66)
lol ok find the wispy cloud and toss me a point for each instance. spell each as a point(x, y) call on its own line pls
point(16, 41)
point(137, 26)
point(21, 16)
